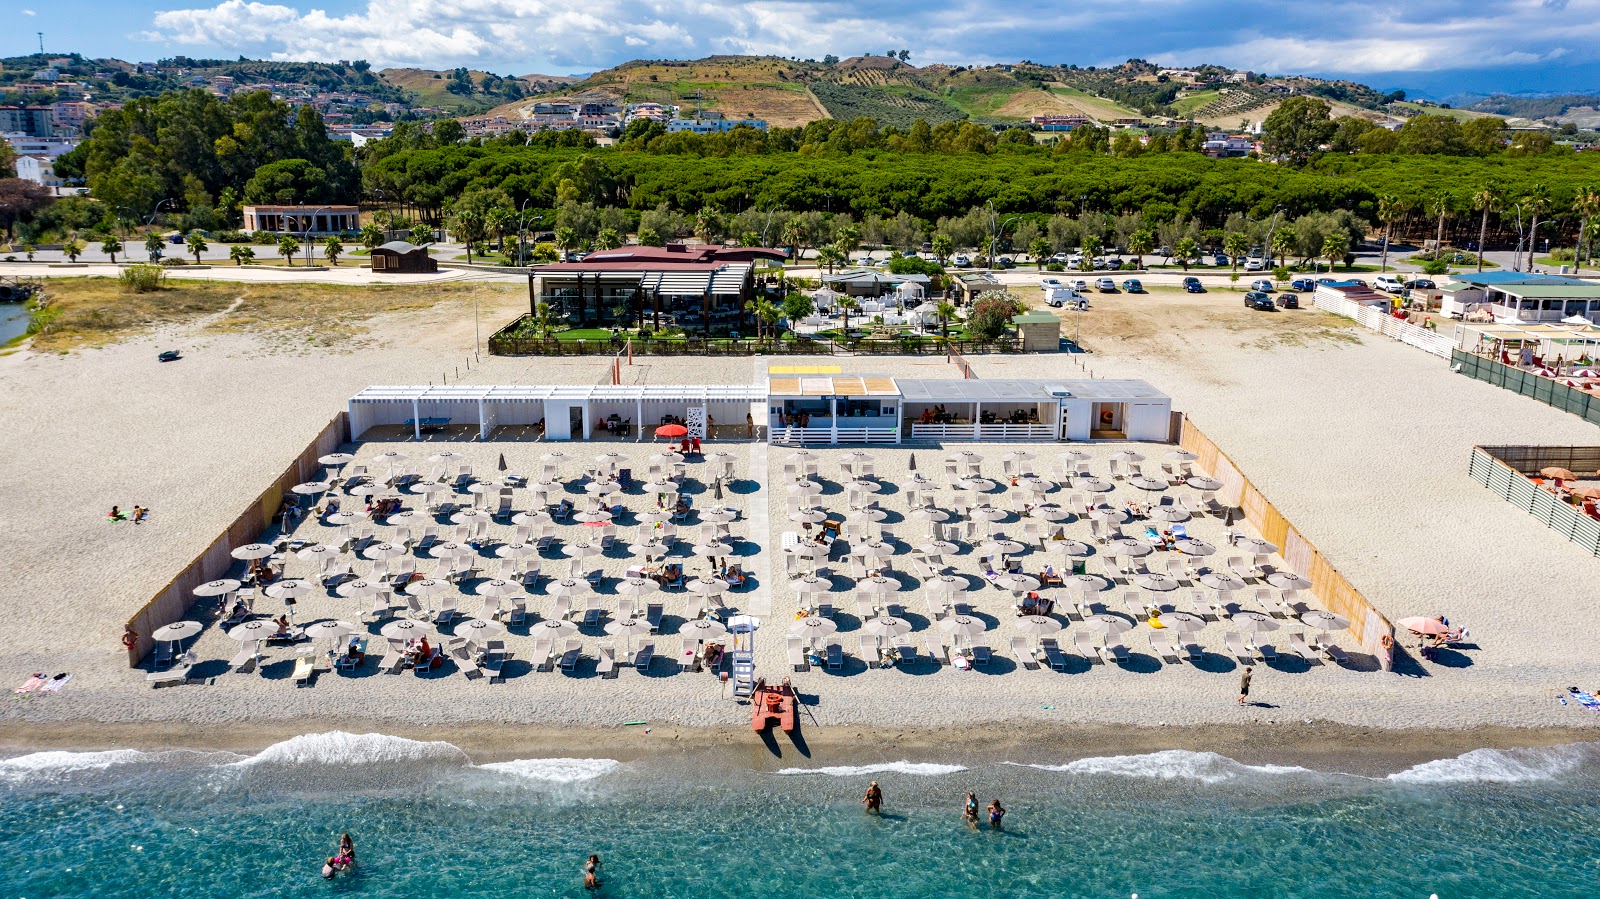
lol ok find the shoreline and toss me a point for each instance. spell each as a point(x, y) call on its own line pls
point(1318, 746)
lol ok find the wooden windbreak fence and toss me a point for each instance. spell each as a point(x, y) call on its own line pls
point(171, 603)
point(1367, 625)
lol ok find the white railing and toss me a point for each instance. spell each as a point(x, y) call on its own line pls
point(868, 435)
point(920, 431)
point(796, 435)
point(1377, 320)
point(1016, 432)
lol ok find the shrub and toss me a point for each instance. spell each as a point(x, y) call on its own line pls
point(914, 265)
point(1055, 267)
point(1435, 267)
point(1281, 273)
point(143, 278)
point(991, 315)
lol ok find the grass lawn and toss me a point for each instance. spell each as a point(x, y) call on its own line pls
point(1552, 262)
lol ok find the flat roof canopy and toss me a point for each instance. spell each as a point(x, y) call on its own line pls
point(984, 390)
point(833, 385)
point(604, 393)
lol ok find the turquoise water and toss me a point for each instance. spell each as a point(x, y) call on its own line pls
point(429, 824)
point(13, 321)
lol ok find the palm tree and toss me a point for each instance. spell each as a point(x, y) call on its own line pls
point(566, 241)
point(332, 248)
point(945, 311)
point(153, 246)
point(793, 236)
point(1088, 248)
point(498, 223)
point(1587, 206)
point(767, 314)
point(1441, 205)
point(847, 238)
point(1537, 203)
point(197, 245)
point(1141, 242)
point(1186, 250)
point(649, 237)
point(545, 319)
point(1039, 250)
point(607, 239)
point(1390, 210)
point(469, 227)
point(1486, 200)
point(72, 248)
point(371, 236)
point(846, 306)
point(943, 246)
point(421, 235)
point(708, 225)
point(1335, 246)
point(111, 247)
point(241, 254)
point(1235, 245)
point(1283, 243)
point(830, 256)
point(287, 247)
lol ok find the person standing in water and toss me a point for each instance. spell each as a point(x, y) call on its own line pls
point(996, 815)
point(873, 800)
point(969, 813)
point(591, 873)
point(347, 850)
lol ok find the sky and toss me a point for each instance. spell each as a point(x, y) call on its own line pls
point(1434, 48)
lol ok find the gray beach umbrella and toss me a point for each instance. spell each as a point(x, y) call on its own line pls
point(1129, 546)
point(385, 551)
point(963, 625)
point(1038, 624)
point(177, 630)
point(553, 627)
point(939, 547)
point(1216, 580)
point(1171, 513)
point(1017, 583)
point(1257, 545)
point(446, 456)
point(1183, 622)
point(811, 584)
point(813, 626)
point(516, 550)
point(252, 551)
point(1001, 547)
point(568, 586)
point(1253, 622)
point(329, 630)
point(1325, 621)
point(1288, 580)
point(713, 550)
point(450, 550)
point(946, 584)
point(988, 513)
point(502, 464)
point(254, 629)
point(497, 588)
point(811, 516)
point(409, 517)
point(875, 550)
point(1076, 549)
point(311, 488)
point(707, 586)
point(406, 629)
point(1087, 581)
point(219, 587)
point(358, 589)
point(879, 585)
point(1144, 482)
point(1108, 514)
point(336, 458)
point(913, 462)
point(471, 516)
point(719, 516)
point(628, 627)
point(289, 589)
point(1203, 483)
point(1158, 583)
point(1127, 456)
point(703, 629)
point(581, 550)
point(1195, 548)
point(930, 515)
point(1107, 623)
point(428, 587)
point(1182, 455)
point(476, 629)
point(637, 586)
point(887, 626)
point(1093, 485)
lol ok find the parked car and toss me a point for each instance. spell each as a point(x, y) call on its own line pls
point(1261, 284)
point(1421, 284)
point(1289, 300)
point(1074, 261)
point(1050, 283)
point(1080, 285)
point(1255, 299)
point(1303, 284)
point(1254, 265)
point(1113, 262)
point(1164, 251)
point(1389, 284)
point(1062, 258)
point(1192, 285)
point(1132, 285)
point(1221, 260)
point(1100, 263)
point(962, 261)
point(1106, 285)
point(1004, 262)
point(1062, 296)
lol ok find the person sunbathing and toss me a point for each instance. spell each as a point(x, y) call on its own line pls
point(116, 514)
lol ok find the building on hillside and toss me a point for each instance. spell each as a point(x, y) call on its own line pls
point(44, 147)
point(1057, 122)
point(302, 219)
point(39, 170)
point(704, 125)
point(33, 121)
point(70, 115)
point(1228, 146)
point(701, 285)
point(398, 257)
point(222, 85)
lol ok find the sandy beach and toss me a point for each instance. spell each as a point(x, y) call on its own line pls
point(1361, 442)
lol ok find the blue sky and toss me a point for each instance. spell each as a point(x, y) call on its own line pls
point(1439, 47)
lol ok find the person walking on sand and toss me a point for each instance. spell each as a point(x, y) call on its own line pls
point(1244, 684)
point(591, 873)
point(873, 800)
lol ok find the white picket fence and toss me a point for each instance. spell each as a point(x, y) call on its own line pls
point(1377, 320)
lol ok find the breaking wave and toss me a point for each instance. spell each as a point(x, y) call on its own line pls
point(1501, 766)
point(919, 769)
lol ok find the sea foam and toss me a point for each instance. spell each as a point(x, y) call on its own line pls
point(1172, 764)
point(55, 766)
point(920, 769)
point(555, 770)
point(1499, 766)
point(340, 749)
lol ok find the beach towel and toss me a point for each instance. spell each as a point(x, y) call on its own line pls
point(32, 684)
point(56, 683)
point(1587, 700)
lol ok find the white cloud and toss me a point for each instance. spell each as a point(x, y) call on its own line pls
point(27, 12)
point(1347, 36)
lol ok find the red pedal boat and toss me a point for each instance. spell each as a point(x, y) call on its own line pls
point(773, 705)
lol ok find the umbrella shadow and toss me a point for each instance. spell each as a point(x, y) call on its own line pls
point(1215, 663)
point(1448, 657)
point(1407, 665)
point(1142, 663)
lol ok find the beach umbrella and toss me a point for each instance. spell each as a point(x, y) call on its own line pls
point(177, 630)
point(1195, 548)
point(385, 551)
point(553, 627)
point(962, 625)
point(1074, 456)
point(1556, 472)
point(1129, 547)
point(1253, 622)
point(478, 629)
point(497, 587)
point(347, 516)
point(668, 457)
point(408, 517)
point(601, 488)
point(1257, 545)
point(1076, 549)
point(975, 484)
point(671, 431)
point(968, 456)
point(1092, 484)
point(1086, 581)
point(219, 587)
point(703, 629)
point(811, 516)
point(359, 588)
point(311, 488)
point(610, 457)
point(1018, 456)
point(553, 456)
point(1170, 513)
point(501, 465)
point(478, 488)
point(1587, 492)
point(721, 456)
point(532, 518)
point(451, 550)
point(862, 485)
point(707, 586)
point(879, 585)
point(391, 457)
point(1127, 456)
point(1107, 513)
point(945, 584)
point(875, 550)
point(1422, 625)
point(1288, 580)
point(804, 488)
point(930, 515)
point(1038, 624)
point(316, 552)
point(1183, 622)
point(254, 629)
point(1144, 482)
point(1107, 623)
point(913, 462)
point(1324, 621)
point(446, 456)
point(515, 550)
point(713, 550)
point(659, 486)
point(336, 458)
point(429, 587)
point(656, 516)
point(288, 589)
point(1182, 455)
point(887, 626)
point(628, 627)
point(1001, 547)
point(938, 547)
point(800, 455)
point(597, 516)
point(568, 586)
point(1220, 581)
point(1203, 483)
point(1158, 583)
point(812, 627)
point(1050, 513)
point(1036, 485)
point(406, 629)
point(988, 513)
point(637, 586)
point(251, 551)
point(873, 514)
point(719, 516)
point(806, 550)
point(471, 516)
point(1017, 583)
point(329, 630)
point(811, 584)
point(581, 549)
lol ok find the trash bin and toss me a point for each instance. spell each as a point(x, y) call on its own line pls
point(1079, 566)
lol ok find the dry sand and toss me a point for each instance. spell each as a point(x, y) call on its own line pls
point(1361, 442)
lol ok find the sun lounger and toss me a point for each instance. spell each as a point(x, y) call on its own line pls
point(1194, 653)
point(835, 653)
point(305, 670)
point(465, 661)
point(1053, 654)
point(905, 649)
point(1236, 647)
point(1299, 646)
point(1019, 648)
point(606, 662)
point(1165, 647)
point(797, 653)
point(939, 652)
point(591, 611)
point(1115, 650)
point(1333, 652)
point(248, 658)
point(867, 649)
point(570, 654)
point(1083, 642)
point(447, 609)
point(1267, 650)
point(980, 654)
point(643, 656)
point(689, 659)
point(541, 658)
point(394, 658)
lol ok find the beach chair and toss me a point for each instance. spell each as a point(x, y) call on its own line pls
point(248, 659)
point(867, 648)
point(1053, 654)
point(905, 649)
point(834, 653)
point(1177, 571)
point(1333, 652)
point(1267, 651)
point(447, 609)
point(652, 616)
point(689, 659)
point(494, 659)
point(797, 653)
point(1192, 506)
point(522, 534)
point(394, 657)
point(591, 611)
point(382, 603)
point(1083, 642)
point(503, 510)
point(570, 653)
point(1116, 470)
point(464, 660)
point(643, 656)
point(1115, 650)
point(1019, 648)
point(1194, 653)
point(1208, 499)
point(1299, 646)
point(541, 658)
point(1234, 641)
point(1239, 569)
point(1166, 647)
point(305, 670)
point(608, 536)
point(547, 537)
point(1135, 606)
point(605, 661)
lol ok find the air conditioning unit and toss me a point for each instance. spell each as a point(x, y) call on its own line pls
point(1060, 392)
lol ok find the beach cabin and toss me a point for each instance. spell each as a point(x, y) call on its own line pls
point(1520, 297)
point(701, 287)
point(833, 409)
point(398, 257)
point(985, 410)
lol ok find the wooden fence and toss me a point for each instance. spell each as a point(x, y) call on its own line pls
point(171, 603)
point(1506, 470)
point(1367, 625)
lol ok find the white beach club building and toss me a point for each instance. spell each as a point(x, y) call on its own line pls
point(795, 409)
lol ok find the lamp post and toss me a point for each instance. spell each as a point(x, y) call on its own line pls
point(522, 232)
point(305, 235)
point(1273, 226)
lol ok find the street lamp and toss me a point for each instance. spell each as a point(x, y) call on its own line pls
point(1273, 226)
point(305, 235)
point(522, 232)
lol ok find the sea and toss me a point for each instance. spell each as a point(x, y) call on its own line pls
point(427, 822)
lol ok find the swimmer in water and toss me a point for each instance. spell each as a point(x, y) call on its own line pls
point(970, 812)
point(996, 815)
point(874, 799)
point(591, 873)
